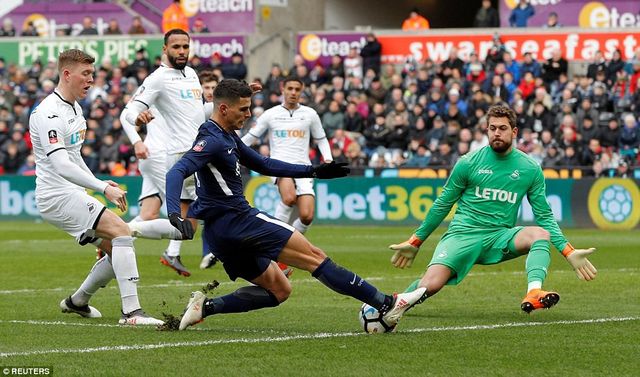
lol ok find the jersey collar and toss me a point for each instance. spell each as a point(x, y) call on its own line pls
point(55, 91)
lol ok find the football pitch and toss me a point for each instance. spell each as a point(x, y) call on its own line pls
point(473, 329)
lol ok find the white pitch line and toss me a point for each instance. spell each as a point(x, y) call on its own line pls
point(297, 281)
point(144, 347)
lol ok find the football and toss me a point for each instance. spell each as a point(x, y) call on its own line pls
point(372, 321)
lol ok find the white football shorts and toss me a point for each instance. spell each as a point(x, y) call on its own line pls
point(154, 176)
point(189, 185)
point(75, 212)
point(304, 186)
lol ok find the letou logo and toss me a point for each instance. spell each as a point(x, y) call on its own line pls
point(313, 46)
point(514, 3)
point(597, 15)
point(193, 7)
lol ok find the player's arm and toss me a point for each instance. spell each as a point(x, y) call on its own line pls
point(320, 137)
point(52, 139)
point(577, 258)
point(406, 251)
point(190, 163)
point(276, 168)
point(255, 133)
point(141, 101)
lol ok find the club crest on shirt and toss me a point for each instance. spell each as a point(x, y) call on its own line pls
point(53, 136)
point(199, 145)
point(515, 175)
point(91, 207)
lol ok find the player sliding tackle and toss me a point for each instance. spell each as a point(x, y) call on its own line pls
point(247, 241)
point(57, 131)
point(489, 186)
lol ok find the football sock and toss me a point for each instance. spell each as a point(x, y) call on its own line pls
point(123, 259)
point(300, 226)
point(100, 275)
point(538, 261)
point(154, 229)
point(283, 212)
point(348, 283)
point(136, 219)
point(242, 300)
point(173, 249)
point(534, 285)
point(205, 244)
point(413, 286)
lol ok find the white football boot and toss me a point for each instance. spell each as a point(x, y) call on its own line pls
point(193, 312)
point(139, 318)
point(402, 302)
point(86, 311)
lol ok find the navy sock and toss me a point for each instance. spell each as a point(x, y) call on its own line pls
point(348, 283)
point(205, 245)
point(242, 300)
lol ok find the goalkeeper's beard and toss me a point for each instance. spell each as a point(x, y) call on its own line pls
point(500, 147)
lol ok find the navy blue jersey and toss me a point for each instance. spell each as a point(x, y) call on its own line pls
point(215, 159)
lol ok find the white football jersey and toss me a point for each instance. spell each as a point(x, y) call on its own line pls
point(289, 132)
point(56, 124)
point(157, 134)
point(177, 94)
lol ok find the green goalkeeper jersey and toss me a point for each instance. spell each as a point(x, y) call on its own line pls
point(489, 188)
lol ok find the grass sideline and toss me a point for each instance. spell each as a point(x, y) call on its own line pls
point(474, 329)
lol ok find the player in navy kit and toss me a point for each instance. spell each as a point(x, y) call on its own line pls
point(246, 240)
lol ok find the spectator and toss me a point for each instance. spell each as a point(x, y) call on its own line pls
point(552, 21)
point(415, 21)
point(199, 26)
point(622, 171)
point(376, 136)
point(29, 166)
point(555, 66)
point(371, 54)
point(173, 17)
point(355, 156)
point(333, 119)
point(610, 134)
point(487, 16)
point(444, 156)
point(87, 26)
point(7, 30)
point(235, 69)
point(597, 64)
point(12, 160)
point(113, 28)
point(30, 30)
point(629, 138)
point(420, 159)
point(591, 153)
point(353, 64)
point(136, 26)
point(520, 14)
point(552, 157)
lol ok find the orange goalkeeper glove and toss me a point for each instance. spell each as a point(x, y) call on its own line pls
point(577, 258)
point(405, 252)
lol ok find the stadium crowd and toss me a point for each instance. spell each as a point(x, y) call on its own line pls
point(418, 114)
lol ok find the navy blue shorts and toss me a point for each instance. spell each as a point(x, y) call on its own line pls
point(246, 243)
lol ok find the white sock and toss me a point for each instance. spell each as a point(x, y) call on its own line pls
point(283, 212)
point(123, 259)
point(534, 285)
point(154, 229)
point(100, 275)
point(300, 226)
point(173, 249)
point(136, 219)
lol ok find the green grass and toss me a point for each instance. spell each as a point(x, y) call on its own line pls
point(473, 329)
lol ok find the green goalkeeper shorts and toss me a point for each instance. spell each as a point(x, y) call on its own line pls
point(460, 252)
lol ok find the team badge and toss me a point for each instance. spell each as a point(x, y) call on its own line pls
point(199, 145)
point(53, 137)
point(91, 207)
point(515, 175)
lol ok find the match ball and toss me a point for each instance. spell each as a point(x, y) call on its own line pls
point(372, 321)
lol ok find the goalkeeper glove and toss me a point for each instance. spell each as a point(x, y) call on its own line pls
point(184, 226)
point(577, 258)
point(331, 170)
point(405, 252)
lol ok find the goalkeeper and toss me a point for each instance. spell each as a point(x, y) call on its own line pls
point(489, 186)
